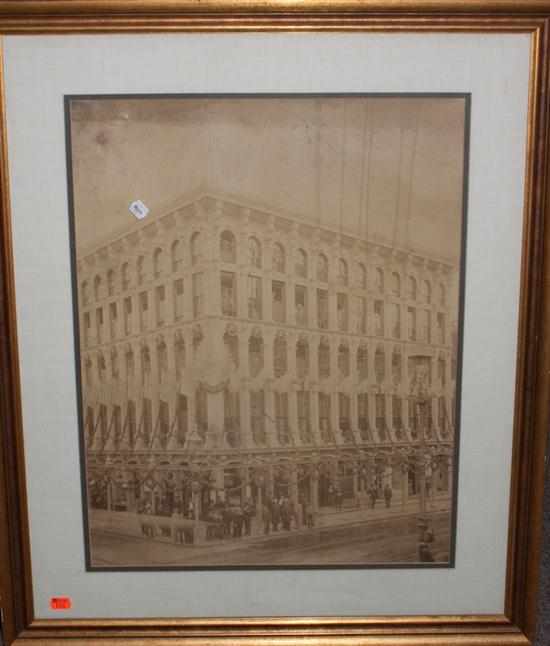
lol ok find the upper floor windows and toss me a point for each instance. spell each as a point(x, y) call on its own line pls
point(301, 263)
point(278, 258)
point(228, 247)
point(254, 253)
point(342, 272)
point(158, 262)
point(85, 292)
point(379, 279)
point(411, 288)
point(125, 276)
point(442, 295)
point(111, 282)
point(396, 284)
point(177, 256)
point(362, 277)
point(196, 248)
point(322, 268)
point(426, 292)
point(140, 270)
point(98, 288)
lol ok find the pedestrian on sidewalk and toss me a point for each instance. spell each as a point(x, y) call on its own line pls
point(373, 496)
point(388, 493)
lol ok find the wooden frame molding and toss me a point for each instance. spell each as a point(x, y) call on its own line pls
point(517, 625)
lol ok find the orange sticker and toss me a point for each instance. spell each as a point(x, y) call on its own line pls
point(60, 603)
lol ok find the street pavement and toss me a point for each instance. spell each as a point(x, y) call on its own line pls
point(365, 537)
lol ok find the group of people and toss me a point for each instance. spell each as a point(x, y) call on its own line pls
point(279, 513)
point(373, 495)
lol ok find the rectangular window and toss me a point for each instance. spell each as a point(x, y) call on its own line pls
point(257, 416)
point(181, 419)
point(344, 405)
point(229, 293)
point(300, 303)
point(143, 310)
point(99, 324)
point(411, 314)
point(160, 297)
point(87, 325)
point(426, 326)
point(322, 309)
point(113, 320)
point(231, 419)
point(254, 298)
point(413, 418)
point(397, 414)
point(103, 422)
point(396, 321)
point(201, 410)
point(379, 318)
point(342, 310)
point(178, 299)
point(442, 415)
point(163, 423)
point(324, 361)
point(117, 424)
point(324, 417)
point(360, 315)
point(363, 414)
point(198, 303)
point(304, 419)
point(281, 417)
point(131, 422)
point(147, 429)
point(441, 328)
point(380, 408)
point(128, 315)
point(278, 301)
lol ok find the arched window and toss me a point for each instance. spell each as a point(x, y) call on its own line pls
point(196, 248)
point(426, 291)
point(254, 253)
point(255, 355)
point(396, 367)
point(342, 272)
point(84, 291)
point(302, 358)
point(231, 341)
point(125, 276)
point(140, 267)
point(228, 247)
point(343, 360)
point(396, 284)
point(177, 256)
point(158, 262)
point(442, 295)
point(362, 276)
point(111, 282)
point(279, 356)
point(362, 362)
point(324, 359)
point(379, 365)
point(412, 288)
point(301, 263)
point(322, 268)
point(278, 258)
point(97, 288)
point(379, 274)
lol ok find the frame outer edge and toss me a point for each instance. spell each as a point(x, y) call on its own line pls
point(15, 583)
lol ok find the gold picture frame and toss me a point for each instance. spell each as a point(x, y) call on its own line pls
point(517, 624)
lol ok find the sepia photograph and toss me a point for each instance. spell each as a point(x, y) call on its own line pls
point(268, 317)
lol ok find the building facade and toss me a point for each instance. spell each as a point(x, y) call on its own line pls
point(231, 353)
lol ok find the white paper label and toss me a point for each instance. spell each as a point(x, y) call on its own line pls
point(138, 209)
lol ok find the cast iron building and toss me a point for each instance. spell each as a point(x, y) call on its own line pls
point(237, 352)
